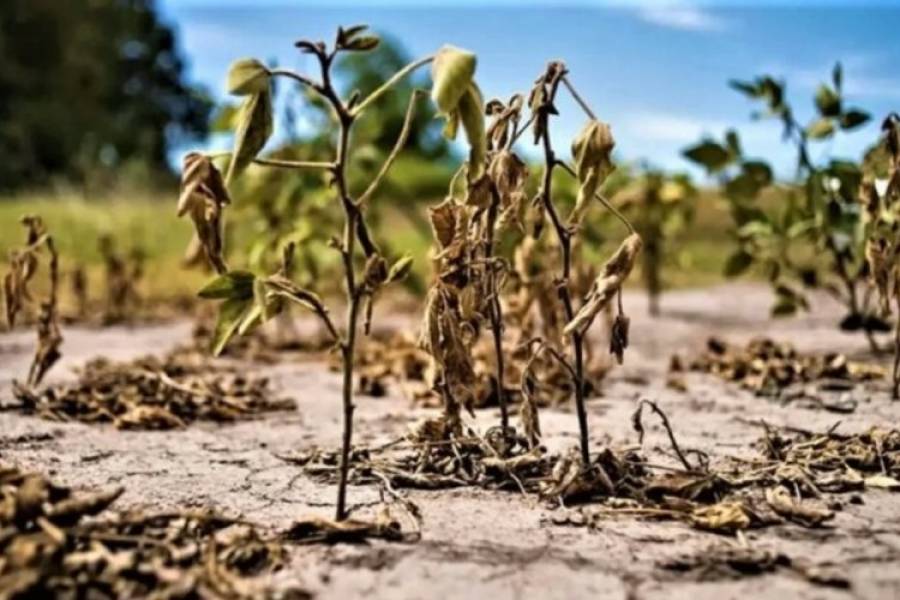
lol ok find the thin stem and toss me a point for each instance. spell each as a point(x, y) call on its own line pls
point(395, 152)
point(584, 106)
point(387, 85)
point(564, 237)
point(896, 374)
point(302, 79)
point(293, 164)
point(602, 199)
point(352, 224)
point(496, 311)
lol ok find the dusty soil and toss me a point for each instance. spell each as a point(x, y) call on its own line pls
point(478, 543)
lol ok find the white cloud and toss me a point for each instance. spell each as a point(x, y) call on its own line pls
point(687, 18)
point(654, 126)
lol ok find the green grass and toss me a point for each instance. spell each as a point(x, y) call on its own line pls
point(143, 222)
point(148, 222)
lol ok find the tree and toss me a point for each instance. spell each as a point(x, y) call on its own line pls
point(87, 84)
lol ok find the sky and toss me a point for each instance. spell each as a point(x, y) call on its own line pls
point(656, 70)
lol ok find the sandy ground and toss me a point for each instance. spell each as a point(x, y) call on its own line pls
point(480, 544)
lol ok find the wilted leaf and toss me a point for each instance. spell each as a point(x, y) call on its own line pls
point(452, 72)
point(607, 284)
point(247, 77)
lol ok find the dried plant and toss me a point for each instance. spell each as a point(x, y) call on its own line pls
point(591, 152)
point(61, 542)
point(880, 197)
point(24, 264)
point(248, 299)
point(123, 274)
point(660, 206)
point(153, 393)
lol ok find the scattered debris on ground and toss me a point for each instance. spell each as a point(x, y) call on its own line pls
point(62, 543)
point(734, 560)
point(777, 370)
point(155, 393)
point(396, 359)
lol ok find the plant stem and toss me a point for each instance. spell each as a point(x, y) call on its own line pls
point(496, 311)
point(387, 85)
point(353, 226)
point(564, 236)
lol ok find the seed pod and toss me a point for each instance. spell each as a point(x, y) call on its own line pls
point(605, 287)
point(618, 338)
point(247, 77)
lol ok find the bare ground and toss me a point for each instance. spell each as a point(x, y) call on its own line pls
point(479, 543)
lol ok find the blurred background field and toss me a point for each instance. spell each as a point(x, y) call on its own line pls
point(101, 99)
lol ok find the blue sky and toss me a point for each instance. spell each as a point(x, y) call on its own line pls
point(655, 70)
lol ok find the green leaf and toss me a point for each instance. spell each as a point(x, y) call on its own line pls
point(224, 119)
point(254, 130)
point(759, 171)
point(231, 314)
point(837, 76)
point(828, 102)
point(710, 154)
point(749, 89)
point(363, 43)
point(733, 142)
point(400, 269)
point(784, 307)
point(232, 285)
point(247, 77)
point(452, 72)
point(853, 118)
point(821, 129)
point(754, 229)
point(738, 263)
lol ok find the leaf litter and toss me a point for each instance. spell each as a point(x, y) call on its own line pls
point(64, 543)
point(777, 370)
point(168, 392)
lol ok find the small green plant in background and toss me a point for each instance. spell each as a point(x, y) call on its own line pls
point(812, 237)
point(661, 207)
point(880, 198)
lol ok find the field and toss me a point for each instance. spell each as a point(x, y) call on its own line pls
point(501, 543)
point(378, 348)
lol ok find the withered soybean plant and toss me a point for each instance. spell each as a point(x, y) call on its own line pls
point(24, 264)
point(469, 279)
point(880, 196)
point(247, 299)
point(591, 151)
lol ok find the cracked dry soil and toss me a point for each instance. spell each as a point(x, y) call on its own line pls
point(479, 543)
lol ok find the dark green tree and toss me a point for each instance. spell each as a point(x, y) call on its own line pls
point(87, 84)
